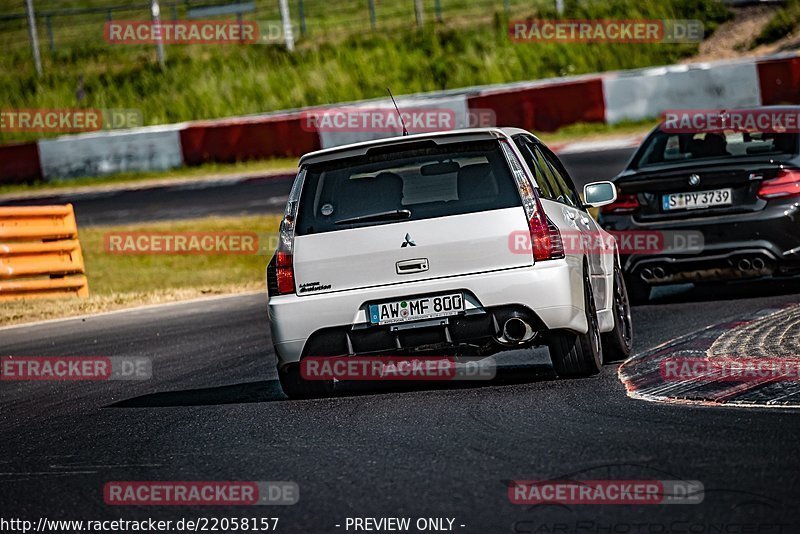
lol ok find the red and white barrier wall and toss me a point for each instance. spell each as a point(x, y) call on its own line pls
point(645, 93)
point(231, 140)
point(543, 105)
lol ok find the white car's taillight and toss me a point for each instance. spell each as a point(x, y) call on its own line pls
point(545, 238)
point(546, 242)
point(284, 255)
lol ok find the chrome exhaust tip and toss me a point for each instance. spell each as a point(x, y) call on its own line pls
point(758, 264)
point(516, 330)
point(647, 275)
point(744, 264)
point(659, 273)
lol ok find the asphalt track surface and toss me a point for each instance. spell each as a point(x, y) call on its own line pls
point(252, 197)
point(213, 410)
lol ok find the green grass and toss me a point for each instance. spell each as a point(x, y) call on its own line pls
point(341, 60)
point(121, 281)
point(782, 23)
point(157, 272)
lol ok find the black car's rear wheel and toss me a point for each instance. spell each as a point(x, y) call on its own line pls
point(578, 355)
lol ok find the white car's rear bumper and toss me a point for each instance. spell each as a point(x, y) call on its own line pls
point(552, 290)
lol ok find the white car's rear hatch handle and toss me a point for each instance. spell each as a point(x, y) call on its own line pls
point(417, 265)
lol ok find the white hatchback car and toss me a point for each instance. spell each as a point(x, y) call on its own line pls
point(439, 222)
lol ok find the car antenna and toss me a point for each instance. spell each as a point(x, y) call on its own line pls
point(405, 132)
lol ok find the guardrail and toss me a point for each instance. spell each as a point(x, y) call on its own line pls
point(40, 255)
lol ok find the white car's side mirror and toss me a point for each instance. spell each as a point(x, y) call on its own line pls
point(598, 194)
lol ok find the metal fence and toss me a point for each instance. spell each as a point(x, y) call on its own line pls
point(68, 29)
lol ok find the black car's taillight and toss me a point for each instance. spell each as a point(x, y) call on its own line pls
point(786, 184)
point(623, 204)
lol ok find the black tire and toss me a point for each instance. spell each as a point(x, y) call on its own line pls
point(296, 387)
point(617, 343)
point(638, 290)
point(578, 355)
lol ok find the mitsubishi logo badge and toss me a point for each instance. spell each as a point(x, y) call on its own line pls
point(408, 242)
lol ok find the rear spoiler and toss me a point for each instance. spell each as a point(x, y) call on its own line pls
point(439, 138)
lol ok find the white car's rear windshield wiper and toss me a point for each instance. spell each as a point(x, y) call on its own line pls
point(382, 216)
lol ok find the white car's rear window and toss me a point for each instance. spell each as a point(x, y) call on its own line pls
point(414, 183)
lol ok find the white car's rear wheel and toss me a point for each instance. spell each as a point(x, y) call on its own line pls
point(577, 355)
point(297, 387)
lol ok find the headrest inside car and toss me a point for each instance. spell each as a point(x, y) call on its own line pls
point(476, 181)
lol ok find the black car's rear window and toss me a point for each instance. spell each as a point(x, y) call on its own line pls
point(430, 181)
point(664, 147)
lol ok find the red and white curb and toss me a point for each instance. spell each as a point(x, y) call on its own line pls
point(644, 378)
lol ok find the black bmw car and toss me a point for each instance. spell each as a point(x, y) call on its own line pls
point(719, 205)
